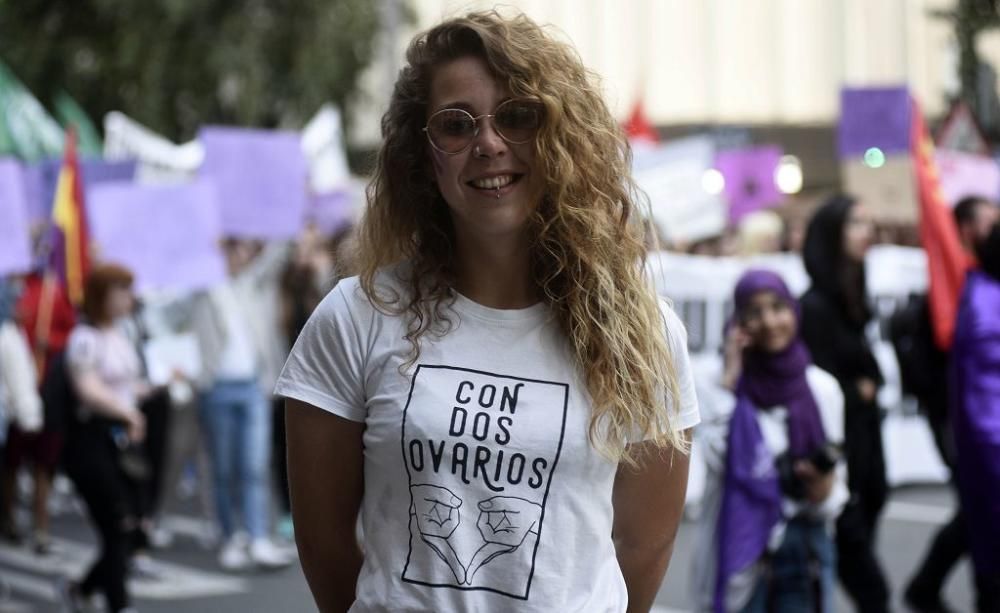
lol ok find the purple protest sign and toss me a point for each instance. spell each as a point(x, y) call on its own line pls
point(15, 235)
point(965, 174)
point(332, 211)
point(874, 117)
point(749, 175)
point(41, 180)
point(167, 234)
point(261, 177)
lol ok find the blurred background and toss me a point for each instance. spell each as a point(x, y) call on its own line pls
point(202, 129)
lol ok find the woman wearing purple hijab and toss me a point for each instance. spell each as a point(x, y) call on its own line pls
point(975, 371)
point(775, 481)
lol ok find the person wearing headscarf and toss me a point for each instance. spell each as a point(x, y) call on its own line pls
point(835, 313)
point(975, 385)
point(775, 482)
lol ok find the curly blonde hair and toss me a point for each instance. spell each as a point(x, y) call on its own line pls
point(588, 254)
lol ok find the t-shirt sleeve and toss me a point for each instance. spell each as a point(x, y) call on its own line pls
point(686, 415)
point(83, 350)
point(326, 365)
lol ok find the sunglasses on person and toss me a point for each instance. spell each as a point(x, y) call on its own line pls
point(517, 121)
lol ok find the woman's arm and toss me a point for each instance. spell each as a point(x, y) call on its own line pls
point(648, 503)
point(101, 399)
point(326, 481)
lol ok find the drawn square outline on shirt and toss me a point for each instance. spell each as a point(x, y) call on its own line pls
point(545, 496)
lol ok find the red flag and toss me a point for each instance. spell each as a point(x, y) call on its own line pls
point(947, 261)
point(70, 241)
point(638, 128)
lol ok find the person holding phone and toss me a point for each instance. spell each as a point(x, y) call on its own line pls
point(771, 435)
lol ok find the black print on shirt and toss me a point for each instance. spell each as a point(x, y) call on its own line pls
point(480, 450)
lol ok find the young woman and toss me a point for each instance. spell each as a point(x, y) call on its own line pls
point(775, 483)
point(105, 371)
point(499, 393)
point(835, 313)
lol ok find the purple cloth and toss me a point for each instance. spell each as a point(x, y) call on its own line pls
point(874, 117)
point(975, 372)
point(751, 499)
point(262, 180)
point(749, 177)
point(15, 241)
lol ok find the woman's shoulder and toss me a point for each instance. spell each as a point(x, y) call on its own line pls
point(350, 297)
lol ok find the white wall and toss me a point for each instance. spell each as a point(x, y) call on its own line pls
point(729, 61)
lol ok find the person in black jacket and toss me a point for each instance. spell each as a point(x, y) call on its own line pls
point(835, 312)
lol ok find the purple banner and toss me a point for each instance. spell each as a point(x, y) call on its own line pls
point(262, 180)
point(15, 235)
point(41, 180)
point(874, 117)
point(168, 235)
point(749, 175)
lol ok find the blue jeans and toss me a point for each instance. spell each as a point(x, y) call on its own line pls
point(237, 422)
point(803, 564)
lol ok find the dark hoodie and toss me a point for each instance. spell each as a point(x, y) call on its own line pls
point(834, 315)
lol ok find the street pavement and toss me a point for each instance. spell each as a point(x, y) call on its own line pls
point(189, 580)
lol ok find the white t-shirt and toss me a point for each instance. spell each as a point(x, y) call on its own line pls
point(109, 353)
point(482, 491)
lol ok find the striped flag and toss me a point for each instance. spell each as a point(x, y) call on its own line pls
point(70, 246)
point(947, 261)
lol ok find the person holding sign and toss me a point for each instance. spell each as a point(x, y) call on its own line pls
point(775, 480)
point(835, 313)
point(499, 393)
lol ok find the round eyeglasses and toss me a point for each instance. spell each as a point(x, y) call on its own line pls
point(517, 121)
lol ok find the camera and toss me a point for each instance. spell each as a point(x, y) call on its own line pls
point(824, 459)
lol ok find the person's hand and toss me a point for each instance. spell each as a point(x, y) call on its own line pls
point(737, 340)
point(818, 485)
point(436, 509)
point(867, 389)
point(507, 520)
point(135, 426)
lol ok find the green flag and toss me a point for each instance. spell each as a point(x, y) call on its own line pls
point(26, 129)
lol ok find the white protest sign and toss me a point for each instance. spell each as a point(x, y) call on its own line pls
point(323, 145)
point(672, 177)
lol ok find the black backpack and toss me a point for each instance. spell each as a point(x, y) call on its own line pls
point(923, 367)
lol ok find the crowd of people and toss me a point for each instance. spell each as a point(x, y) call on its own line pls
point(499, 283)
point(76, 400)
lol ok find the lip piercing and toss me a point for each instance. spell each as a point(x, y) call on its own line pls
point(498, 193)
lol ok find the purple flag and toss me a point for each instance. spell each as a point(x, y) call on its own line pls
point(874, 117)
point(168, 235)
point(749, 175)
point(41, 180)
point(261, 177)
point(15, 235)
